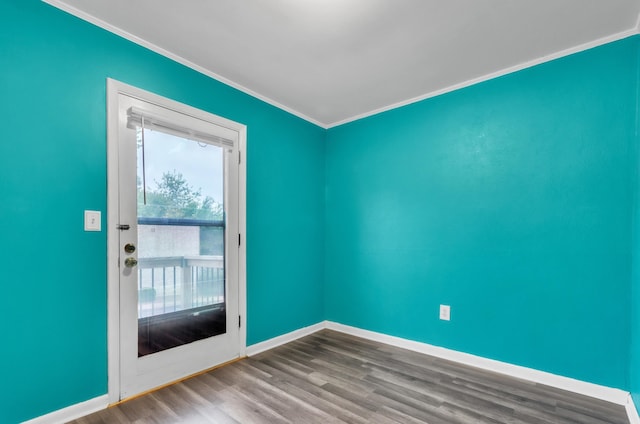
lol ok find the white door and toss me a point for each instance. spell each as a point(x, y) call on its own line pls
point(178, 238)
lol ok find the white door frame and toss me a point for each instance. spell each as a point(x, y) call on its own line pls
point(114, 88)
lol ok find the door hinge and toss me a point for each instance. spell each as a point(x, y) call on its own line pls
point(239, 157)
point(239, 321)
point(239, 240)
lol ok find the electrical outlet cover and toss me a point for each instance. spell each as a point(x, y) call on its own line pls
point(445, 312)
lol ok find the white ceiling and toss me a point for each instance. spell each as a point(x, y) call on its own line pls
point(331, 61)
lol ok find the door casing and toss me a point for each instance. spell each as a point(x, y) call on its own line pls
point(114, 88)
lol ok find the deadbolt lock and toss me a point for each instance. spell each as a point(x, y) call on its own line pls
point(130, 262)
point(129, 248)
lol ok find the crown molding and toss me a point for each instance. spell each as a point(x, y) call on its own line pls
point(58, 4)
point(499, 73)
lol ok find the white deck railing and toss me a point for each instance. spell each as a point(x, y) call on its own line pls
point(178, 283)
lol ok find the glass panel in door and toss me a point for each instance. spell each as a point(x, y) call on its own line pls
point(181, 233)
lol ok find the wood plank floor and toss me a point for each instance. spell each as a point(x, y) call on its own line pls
point(330, 377)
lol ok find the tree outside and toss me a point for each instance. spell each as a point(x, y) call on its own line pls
point(174, 197)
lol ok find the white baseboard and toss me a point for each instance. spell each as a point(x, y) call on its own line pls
point(617, 396)
point(82, 409)
point(72, 412)
point(632, 412)
point(285, 338)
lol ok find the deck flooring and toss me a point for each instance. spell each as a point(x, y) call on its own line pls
point(330, 377)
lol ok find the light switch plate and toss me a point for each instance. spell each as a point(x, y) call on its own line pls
point(92, 221)
point(445, 312)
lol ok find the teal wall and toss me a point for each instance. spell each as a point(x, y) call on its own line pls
point(510, 201)
point(53, 167)
point(513, 200)
point(634, 348)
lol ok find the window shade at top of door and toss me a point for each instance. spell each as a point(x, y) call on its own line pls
point(193, 130)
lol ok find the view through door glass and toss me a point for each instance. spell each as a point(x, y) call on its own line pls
point(181, 228)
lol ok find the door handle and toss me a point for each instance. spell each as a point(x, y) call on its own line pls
point(130, 262)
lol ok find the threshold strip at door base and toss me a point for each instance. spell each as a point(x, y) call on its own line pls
point(146, 392)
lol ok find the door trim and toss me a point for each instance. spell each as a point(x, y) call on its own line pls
point(114, 88)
